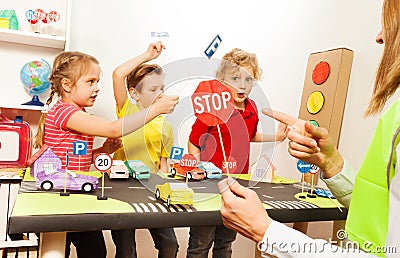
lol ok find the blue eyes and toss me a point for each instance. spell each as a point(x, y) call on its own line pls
point(250, 80)
point(93, 81)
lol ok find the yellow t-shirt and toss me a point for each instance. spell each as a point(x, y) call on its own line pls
point(147, 144)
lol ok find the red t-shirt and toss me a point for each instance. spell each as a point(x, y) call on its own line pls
point(60, 139)
point(236, 135)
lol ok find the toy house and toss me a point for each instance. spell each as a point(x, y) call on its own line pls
point(264, 170)
point(8, 19)
point(44, 159)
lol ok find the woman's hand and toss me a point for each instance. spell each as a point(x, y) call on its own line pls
point(310, 143)
point(242, 210)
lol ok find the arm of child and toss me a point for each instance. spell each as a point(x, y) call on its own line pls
point(109, 146)
point(89, 124)
point(167, 144)
point(122, 71)
point(163, 165)
point(193, 149)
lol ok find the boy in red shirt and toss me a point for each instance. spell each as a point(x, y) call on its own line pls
point(239, 71)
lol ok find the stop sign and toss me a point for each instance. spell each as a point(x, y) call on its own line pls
point(188, 161)
point(212, 102)
point(229, 165)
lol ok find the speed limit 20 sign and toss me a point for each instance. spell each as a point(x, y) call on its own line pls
point(103, 162)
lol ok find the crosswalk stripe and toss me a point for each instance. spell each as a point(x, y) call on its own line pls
point(144, 207)
point(162, 207)
point(153, 208)
point(137, 207)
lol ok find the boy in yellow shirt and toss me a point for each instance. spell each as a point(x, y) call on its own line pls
point(150, 144)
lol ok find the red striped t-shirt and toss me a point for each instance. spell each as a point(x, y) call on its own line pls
point(60, 139)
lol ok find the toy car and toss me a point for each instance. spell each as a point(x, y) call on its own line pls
point(175, 193)
point(210, 170)
point(190, 173)
point(137, 169)
point(55, 179)
point(118, 170)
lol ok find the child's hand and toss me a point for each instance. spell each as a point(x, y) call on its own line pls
point(111, 145)
point(155, 49)
point(165, 104)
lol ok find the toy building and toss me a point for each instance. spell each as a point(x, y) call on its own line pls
point(44, 159)
point(8, 19)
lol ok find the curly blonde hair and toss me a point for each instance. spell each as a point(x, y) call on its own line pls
point(234, 60)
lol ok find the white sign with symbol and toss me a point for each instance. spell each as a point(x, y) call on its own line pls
point(103, 162)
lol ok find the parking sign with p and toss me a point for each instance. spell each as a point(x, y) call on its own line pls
point(79, 148)
point(176, 153)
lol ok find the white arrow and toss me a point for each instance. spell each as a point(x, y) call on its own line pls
point(304, 165)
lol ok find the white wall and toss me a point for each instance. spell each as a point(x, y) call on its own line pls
point(282, 33)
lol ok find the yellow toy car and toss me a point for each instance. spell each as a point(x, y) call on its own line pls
point(175, 193)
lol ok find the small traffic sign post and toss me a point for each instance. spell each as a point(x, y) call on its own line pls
point(313, 171)
point(213, 105)
point(230, 165)
point(176, 153)
point(188, 161)
point(102, 163)
point(79, 149)
point(212, 48)
point(303, 168)
point(65, 193)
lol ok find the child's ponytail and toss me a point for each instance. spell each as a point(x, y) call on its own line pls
point(39, 136)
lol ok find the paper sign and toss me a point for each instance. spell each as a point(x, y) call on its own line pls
point(212, 102)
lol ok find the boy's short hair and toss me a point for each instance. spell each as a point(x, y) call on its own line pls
point(134, 78)
point(236, 58)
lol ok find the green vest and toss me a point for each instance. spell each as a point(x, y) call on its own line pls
point(367, 220)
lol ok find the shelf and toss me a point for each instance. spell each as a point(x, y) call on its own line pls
point(31, 38)
point(24, 107)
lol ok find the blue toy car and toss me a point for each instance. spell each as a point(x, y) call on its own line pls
point(211, 171)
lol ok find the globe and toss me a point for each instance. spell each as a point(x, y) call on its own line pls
point(35, 77)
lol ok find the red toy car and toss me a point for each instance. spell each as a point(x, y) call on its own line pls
point(189, 172)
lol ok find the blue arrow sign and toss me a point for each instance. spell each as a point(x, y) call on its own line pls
point(303, 167)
